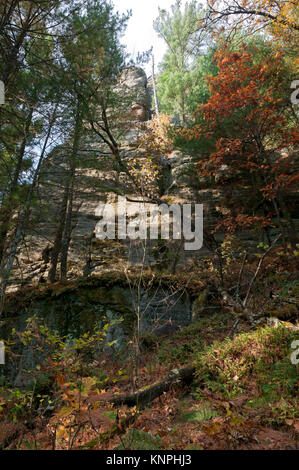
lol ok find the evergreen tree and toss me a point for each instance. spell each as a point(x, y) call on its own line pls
point(61, 69)
point(180, 30)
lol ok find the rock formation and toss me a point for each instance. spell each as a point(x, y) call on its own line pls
point(96, 183)
point(133, 82)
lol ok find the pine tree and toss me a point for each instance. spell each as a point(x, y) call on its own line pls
point(180, 30)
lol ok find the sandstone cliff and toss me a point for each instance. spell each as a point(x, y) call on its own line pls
point(99, 181)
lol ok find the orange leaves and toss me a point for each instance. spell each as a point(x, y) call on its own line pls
point(60, 380)
point(84, 406)
point(245, 106)
point(237, 86)
point(242, 221)
point(189, 134)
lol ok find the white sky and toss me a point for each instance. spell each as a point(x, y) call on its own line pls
point(140, 35)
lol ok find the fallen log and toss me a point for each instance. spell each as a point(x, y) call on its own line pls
point(149, 393)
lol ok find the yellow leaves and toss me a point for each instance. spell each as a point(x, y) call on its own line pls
point(88, 384)
point(279, 17)
point(236, 420)
point(144, 167)
point(278, 55)
point(64, 412)
point(215, 427)
point(61, 432)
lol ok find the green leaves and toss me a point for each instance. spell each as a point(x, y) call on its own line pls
point(179, 28)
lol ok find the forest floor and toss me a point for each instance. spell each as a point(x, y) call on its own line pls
point(244, 395)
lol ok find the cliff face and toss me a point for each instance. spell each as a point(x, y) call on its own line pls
point(97, 181)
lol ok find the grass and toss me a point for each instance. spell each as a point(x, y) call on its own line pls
point(140, 440)
point(200, 412)
point(256, 365)
point(184, 345)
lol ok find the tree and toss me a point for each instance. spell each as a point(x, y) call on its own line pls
point(91, 66)
point(156, 101)
point(67, 56)
point(247, 124)
point(26, 68)
point(6, 271)
point(179, 29)
point(281, 13)
point(280, 18)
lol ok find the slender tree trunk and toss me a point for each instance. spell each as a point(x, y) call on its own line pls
point(11, 63)
point(177, 256)
point(155, 86)
point(58, 236)
point(182, 110)
point(67, 232)
point(5, 277)
point(68, 221)
point(8, 10)
point(7, 208)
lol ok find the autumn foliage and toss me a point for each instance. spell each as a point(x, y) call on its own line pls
point(249, 125)
point(145, 167)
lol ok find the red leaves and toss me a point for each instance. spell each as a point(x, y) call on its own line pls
point(242, 221)
point(246, 120)
point(242, 85)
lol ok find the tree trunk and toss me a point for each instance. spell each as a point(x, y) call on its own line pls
point(7, 208)
point(69, 214)
point(11, 62)
point(5, 277)
point(58, 236)
point(142, 397)
point(7, 14)
point(155, 87)
point(67, 234)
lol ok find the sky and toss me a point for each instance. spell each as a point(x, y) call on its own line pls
point(140, 35)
